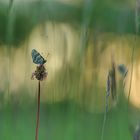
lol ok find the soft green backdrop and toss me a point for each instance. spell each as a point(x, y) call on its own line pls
point(81, 37)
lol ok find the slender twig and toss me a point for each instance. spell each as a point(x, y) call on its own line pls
point(106, 107)
point(38, 110)
point(133, 48)
point(131, 74)
point(104, 121)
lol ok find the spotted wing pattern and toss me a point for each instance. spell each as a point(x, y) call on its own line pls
point(37, 58)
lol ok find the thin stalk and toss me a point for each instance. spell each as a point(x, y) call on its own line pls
point(106, 106)
point(104, 121)
point(133, 48)
point(38, 112)
point(131, 74)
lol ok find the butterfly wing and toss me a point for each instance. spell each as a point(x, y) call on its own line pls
point(122, 69)
point(37, 58)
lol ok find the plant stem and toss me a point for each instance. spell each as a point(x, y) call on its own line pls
point(38, 110)
point(134, 46)
point(131, 74)
point(106, 107)
point(104, 121)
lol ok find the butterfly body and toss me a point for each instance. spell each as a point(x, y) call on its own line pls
point(37, 58)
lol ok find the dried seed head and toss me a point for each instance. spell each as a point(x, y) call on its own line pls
point(40, 73)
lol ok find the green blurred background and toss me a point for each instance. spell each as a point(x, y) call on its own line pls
point(82, 37)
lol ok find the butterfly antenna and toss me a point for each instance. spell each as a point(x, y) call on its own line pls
point(47, 55)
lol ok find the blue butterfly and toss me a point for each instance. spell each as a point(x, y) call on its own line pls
point(123, 70)
point(37, 58)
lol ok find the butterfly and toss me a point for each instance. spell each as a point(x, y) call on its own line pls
point(123, 70)
point(37, 58)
